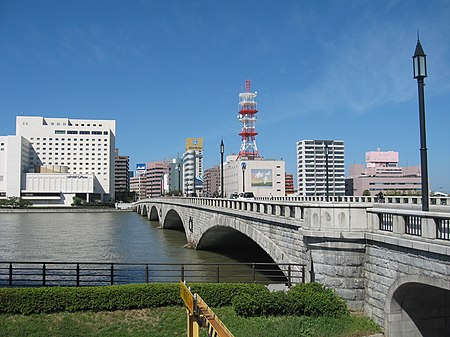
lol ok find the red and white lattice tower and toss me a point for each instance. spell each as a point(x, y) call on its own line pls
point(248, 119)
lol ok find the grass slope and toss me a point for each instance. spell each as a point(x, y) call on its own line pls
point(171, 321)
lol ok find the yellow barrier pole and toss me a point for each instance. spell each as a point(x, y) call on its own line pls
point(193, 329)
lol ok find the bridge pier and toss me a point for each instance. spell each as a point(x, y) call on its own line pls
point(339, 264)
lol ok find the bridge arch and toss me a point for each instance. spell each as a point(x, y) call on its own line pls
point(173, 220)
point(153, 214)
point(241, 231)
point(418, 306)
point(224, 238)
point(144, 210)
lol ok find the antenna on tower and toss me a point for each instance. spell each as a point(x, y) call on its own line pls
point(247, 85)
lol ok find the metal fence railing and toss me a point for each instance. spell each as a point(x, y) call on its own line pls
point(29, 274)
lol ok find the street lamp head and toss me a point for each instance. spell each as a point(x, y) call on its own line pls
point(222, 147)
point(419, 62)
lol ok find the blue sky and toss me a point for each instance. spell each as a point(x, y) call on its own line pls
point(168, 70)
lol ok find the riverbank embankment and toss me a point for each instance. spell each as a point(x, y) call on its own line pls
point(64, 210)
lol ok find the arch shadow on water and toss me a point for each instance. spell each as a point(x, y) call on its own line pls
point(240, 248)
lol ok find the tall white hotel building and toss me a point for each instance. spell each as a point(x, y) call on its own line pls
point(312, 167)
point(51, 160)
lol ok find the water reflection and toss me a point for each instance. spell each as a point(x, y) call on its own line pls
point(97, 237)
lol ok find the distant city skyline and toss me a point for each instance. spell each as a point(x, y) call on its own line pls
point(167, 71)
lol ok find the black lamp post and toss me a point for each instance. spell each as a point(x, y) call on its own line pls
point(327, 185)
point(420, 72)
point(178, 167)
point(244, 166)
point(222, 150)
point(194, 194)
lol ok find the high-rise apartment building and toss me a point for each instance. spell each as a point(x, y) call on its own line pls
point(320, 167)
point(211, 181)
point(193, 167)
point(122, 166)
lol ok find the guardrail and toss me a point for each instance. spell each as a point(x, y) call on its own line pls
point(29, 274)
point(408, 200)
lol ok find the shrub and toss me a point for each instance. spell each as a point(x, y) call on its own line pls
point(247, 305)
point(118, 297)
point(314, 299)
point(310, 299)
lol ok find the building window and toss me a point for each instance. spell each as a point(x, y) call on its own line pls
point(60, 132)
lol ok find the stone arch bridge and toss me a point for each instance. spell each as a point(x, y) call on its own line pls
point(390, 260)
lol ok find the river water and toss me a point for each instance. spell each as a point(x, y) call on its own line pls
point(94, 237)
point(112, 237)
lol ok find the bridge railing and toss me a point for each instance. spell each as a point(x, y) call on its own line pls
point(284, 209)
point(415, 223)
point(412, 200)
point(32, 274)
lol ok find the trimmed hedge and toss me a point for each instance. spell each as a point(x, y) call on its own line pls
point(119, 297)
point(309, 299)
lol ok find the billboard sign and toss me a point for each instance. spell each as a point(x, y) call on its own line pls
point(194, 144)
point(141, 167)
point(261, 178)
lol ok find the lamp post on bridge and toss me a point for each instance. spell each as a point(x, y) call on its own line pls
point(420, 72)
point(222, 151)
point(327, 183)
point(243, 166)
point(178, 167)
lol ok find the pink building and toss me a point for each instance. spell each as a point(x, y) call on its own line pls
point(381, 174)
point(155, 173)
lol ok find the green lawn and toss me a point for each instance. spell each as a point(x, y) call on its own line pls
point(171, 321)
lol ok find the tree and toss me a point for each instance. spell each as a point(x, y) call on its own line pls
point(366, 193)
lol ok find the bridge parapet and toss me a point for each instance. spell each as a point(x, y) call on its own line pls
point(431, 227)
point(313, 215)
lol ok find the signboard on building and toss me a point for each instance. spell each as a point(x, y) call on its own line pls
point(261, 178)
point(140, 168)
point(194, 144)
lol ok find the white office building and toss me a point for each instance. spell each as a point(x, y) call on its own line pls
point(14, 162)
point(59, 158)
point(320, 164)
point(263, 177)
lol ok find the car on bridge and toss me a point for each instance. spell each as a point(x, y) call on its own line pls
point(246, 196)
point(234, 195)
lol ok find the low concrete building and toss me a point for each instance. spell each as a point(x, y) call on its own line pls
point(262, 177)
